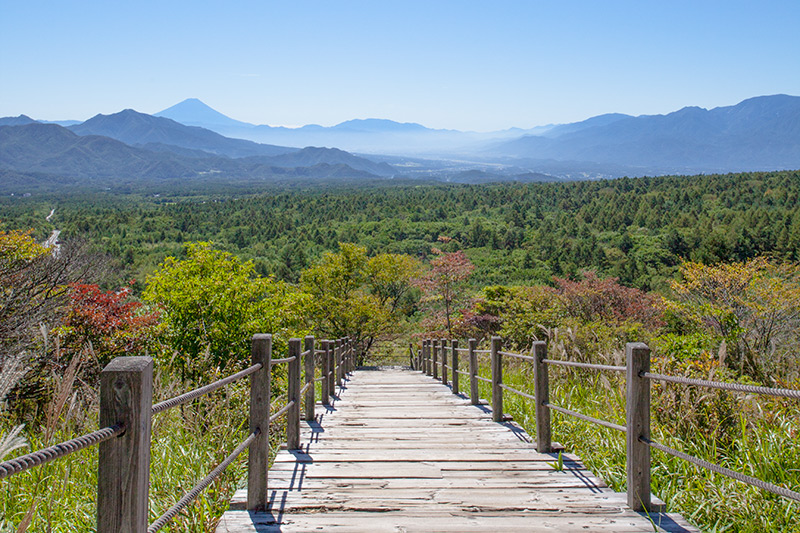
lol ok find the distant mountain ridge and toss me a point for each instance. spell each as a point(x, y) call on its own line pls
point(761, 133)
point(370, 135)
point(134, 128)
point(34, 148)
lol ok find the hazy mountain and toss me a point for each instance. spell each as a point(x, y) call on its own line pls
point(41, 155)
point(16, 121)
point(52, 149)
point(599, 120)
point(134, 128)
point(193, 112)
point(761, 133)
point(371, 135)
point(311, 156)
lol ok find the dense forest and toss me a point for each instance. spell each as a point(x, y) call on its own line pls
point(635, 229)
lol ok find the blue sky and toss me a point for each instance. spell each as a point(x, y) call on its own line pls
point(461, 65)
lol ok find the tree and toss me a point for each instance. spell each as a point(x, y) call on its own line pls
point(358, 296)
point(754, 306)
point(444, 283)
point(213, 303)
point(109, 321)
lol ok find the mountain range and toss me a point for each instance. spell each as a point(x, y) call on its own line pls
point(761, 133)
point(134, 147)
point(185, 142)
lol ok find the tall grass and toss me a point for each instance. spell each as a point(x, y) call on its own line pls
point(763, 443)
point(187, 443)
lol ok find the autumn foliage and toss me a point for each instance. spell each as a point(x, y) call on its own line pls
point(110, 322)
point(443, 285)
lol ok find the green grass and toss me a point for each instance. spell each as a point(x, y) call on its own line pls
point(187, 443)
point(764, 445)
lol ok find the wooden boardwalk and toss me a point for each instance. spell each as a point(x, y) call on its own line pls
point(398, 452)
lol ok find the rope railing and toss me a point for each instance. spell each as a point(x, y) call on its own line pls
point(45, 455)
point(280, 412)
point(518, 356)
point(587, 418)
point(201, 391)
point(637, 426)
point(519, 392)
point(127, 408)
point(736, 387)
point(173, 511)
point(744, 478)
point(585, 365)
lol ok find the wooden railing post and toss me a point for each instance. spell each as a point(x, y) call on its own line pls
point(542, 394)
point(347, 355)
point(310, 367)
point(426, 355)
point(337, 356)
point(123, 478)
point(332, 367)
point(473, 372)
point(258, 452)
point(638, 425)
point(444, 362)
point(326, 368)
point(497, 380)
point(454, 359)
point(343, 358)
point(293, 395)
point(434, 358)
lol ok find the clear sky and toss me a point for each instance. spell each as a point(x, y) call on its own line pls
point(446, 64)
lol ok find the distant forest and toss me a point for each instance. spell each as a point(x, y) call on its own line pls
point(635, 229)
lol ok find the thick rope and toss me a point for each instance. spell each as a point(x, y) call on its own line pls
point(518, 356)
point(211, 387)
point(481, 378)
point(587, 418)
point(306, 387)
point(738, 387)
point(585, 365)
point(307, 352)
point(200, 487)
point(284, 360)
point(744, 478)
point(283, 409)
point(45, 455)
point(515, 391)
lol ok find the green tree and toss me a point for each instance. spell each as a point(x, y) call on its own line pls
point(358, 296)
point(212, 302)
